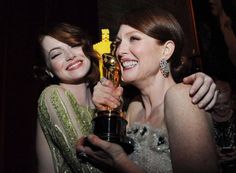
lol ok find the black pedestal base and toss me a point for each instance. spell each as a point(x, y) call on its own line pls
point(110, 126)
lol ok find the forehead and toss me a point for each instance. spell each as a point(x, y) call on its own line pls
point(126, 29)
point(49, 42)
point(222, 97)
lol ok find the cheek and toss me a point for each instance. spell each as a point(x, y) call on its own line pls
point(56, 66)
point(88, 64)
point(138, 50)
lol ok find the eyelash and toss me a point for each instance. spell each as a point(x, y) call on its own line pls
point(76, 45)
point(133, 38)
point(54, 56)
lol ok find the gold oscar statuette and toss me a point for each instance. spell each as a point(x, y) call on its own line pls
point(110, 124)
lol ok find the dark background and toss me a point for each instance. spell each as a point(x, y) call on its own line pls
point(19, 24)
point(20, 21)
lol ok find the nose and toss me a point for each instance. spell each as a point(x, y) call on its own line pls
point(70, 54)
point(122, 49)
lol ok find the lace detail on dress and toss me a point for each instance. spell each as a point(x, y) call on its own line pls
point(151, 150)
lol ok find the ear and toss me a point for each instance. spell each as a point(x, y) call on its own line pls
point(169, 48)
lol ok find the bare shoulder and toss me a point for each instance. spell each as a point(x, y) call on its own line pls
point(178, 102)
point(178, 90)
point(178, 94)
point(189, 131)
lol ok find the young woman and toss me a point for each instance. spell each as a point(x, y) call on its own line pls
point(65, 108)
point(170, 133)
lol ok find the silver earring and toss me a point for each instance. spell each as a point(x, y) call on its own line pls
point(49, 73)
point(164, 68)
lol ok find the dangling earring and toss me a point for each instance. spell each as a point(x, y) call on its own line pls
point(49, 73)
point(164, 68)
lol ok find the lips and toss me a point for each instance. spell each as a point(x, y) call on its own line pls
point(74, 65)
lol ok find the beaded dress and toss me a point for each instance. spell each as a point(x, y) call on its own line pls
point(151, 151)
point(69, 122)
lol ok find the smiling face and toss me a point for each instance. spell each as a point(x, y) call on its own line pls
point(68, 63)
point(216, 7)
point(223, 104)
point(138, 53)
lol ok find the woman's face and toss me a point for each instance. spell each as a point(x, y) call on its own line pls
point(138, 53)
point(223, 104)
point(68, 63)
point(215, 6)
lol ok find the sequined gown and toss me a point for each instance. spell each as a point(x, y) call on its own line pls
point(70, 121)
point(152, 151)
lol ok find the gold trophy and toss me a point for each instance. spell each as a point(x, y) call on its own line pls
point(110, 125)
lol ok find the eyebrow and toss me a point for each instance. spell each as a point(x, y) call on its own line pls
point(53, 50)
point(129, 33)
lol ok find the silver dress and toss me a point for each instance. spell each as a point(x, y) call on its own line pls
point(151, 151)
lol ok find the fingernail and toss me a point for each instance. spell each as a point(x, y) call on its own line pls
point(206, 109)
point(194, 100)
point(200, 105)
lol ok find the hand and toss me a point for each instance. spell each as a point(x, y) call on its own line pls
point(227, 156)
point(107, 156)
point(105, 94)
point(203, 90)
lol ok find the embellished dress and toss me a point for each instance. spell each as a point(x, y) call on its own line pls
point(69, 122)
point(151, 150)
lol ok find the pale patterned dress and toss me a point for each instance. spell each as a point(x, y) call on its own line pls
point(151, 151)
point(69, 122)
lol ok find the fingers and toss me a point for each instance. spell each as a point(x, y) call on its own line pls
point(206, 95)
point(203, 90)
point(189, 79)
point(196, 81)
point(80, 150)
point(96, 141)
point(105, 94)
point(111, 148)
point(97, 148)
point(200, 83)
point(212, 102)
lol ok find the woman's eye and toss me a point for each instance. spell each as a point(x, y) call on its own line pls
point(134, 38)
point(56, 55)
point(76, 45)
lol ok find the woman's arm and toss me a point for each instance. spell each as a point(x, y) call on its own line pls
point(191, 142)
point(45, 163)
point(56, 115)
point(203, 92)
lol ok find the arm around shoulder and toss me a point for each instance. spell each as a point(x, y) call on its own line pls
point(191, 141)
